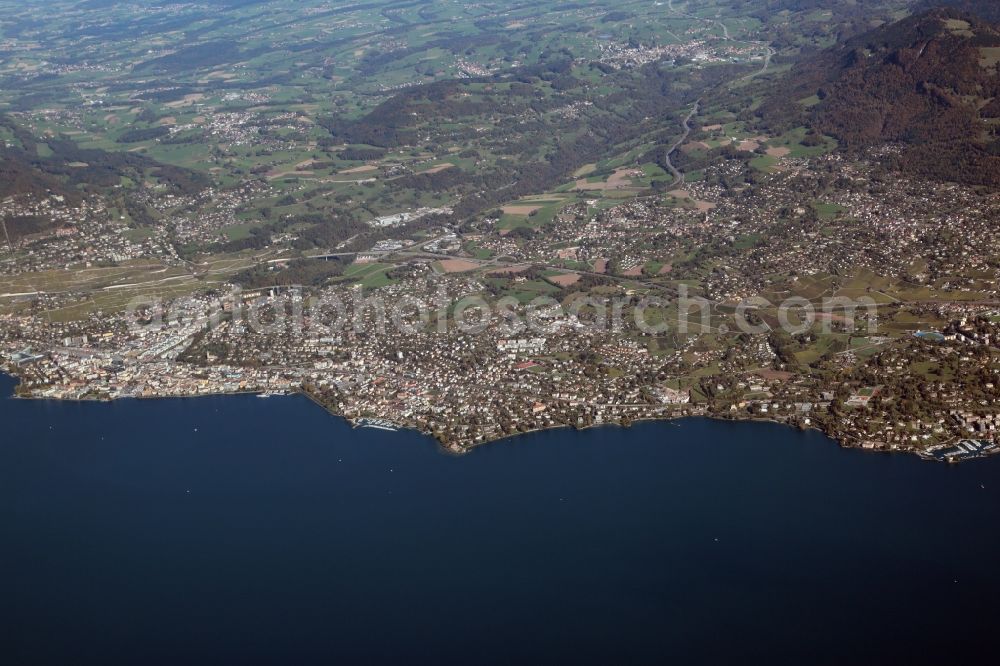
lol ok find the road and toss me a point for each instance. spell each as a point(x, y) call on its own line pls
point(763, 70)
point(678, 176)
point(674, 10)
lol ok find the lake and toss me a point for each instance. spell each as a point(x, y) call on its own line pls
point(241, 530)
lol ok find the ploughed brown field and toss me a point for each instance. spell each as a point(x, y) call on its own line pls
point(520, 210)
point(457, 265)
point(564, 280)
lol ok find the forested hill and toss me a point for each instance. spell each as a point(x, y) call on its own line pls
point(36, 168)
point(988, 10)
point(928, 84)
point(844, 18)
point(58, 164)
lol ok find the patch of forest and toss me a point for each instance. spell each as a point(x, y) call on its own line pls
point(921, 84)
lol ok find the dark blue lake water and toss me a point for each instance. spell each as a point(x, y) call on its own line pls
point(241, 530)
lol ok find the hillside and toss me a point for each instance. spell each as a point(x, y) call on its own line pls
point(35, 168)
point(928, 84)
point(988, 10)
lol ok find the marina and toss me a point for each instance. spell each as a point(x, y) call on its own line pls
point(270, 394)
point(966, 449)
point(378, 424)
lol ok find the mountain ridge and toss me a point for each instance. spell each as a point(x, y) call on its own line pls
point(986, 10)
point(928, 84)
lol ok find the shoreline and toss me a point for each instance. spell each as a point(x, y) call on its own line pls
point(459, 450)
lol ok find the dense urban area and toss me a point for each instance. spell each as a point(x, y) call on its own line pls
point(480, 220)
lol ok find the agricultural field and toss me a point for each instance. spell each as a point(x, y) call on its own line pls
point(342, 115)
point(474, 137)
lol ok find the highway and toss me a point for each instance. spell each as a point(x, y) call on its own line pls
point(678, 176)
